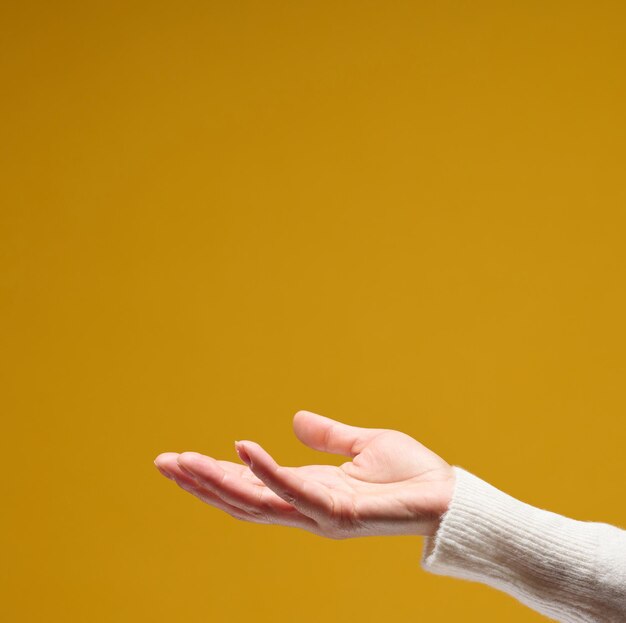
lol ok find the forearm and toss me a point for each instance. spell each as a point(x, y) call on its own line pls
point(572, 571)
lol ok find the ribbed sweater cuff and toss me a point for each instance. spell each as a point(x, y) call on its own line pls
point(543, 559)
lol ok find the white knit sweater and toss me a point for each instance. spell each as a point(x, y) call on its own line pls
point(569, 570)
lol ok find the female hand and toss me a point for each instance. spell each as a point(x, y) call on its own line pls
point(393, 485)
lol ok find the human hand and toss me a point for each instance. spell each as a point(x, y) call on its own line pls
point(392, 486)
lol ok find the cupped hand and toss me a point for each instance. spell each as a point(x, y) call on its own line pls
point(392, 485)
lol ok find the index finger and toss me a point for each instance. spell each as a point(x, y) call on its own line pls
point(310, 497)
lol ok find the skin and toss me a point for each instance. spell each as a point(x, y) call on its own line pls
point(392, 484)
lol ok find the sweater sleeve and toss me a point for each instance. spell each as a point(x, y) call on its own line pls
point(569, 570)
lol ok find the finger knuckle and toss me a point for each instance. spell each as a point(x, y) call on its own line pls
point(335, 534)
point(256, 513)
point(289, 497)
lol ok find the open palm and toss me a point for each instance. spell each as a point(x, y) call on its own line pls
point(392, 485)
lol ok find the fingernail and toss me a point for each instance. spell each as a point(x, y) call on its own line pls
point(243, 455)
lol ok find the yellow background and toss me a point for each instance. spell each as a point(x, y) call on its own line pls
point(407, 215)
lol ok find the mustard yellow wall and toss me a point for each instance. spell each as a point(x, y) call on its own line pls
point(407, 215)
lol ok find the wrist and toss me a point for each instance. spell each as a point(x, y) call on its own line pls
point(432, 500)
point(443, 490)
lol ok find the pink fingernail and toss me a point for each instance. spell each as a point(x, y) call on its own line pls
point(243, 455)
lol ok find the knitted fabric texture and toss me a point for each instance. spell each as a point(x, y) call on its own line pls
point(569, 570)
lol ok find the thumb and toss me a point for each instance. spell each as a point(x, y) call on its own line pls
point(328, 435)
